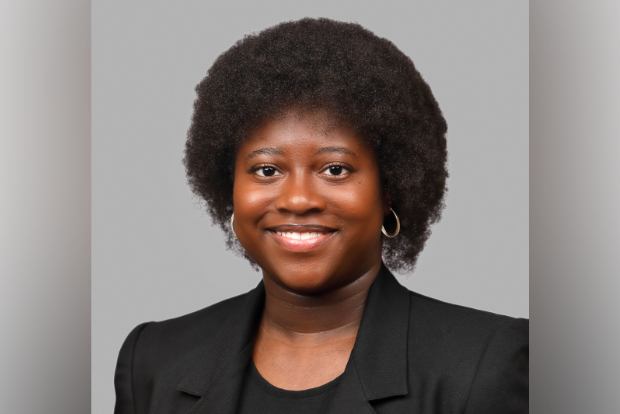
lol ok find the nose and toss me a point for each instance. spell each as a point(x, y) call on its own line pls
point(299, 195)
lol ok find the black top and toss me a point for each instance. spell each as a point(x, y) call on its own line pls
point(412, 355)
point(260, 397)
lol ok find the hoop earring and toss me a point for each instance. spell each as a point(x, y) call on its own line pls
point(397, 227)
point(232, 227)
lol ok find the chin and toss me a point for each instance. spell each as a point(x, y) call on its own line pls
point(305, 285)
point(303, 278)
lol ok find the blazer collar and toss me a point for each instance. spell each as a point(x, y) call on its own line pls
point(376, 369)
point(217, 375)
point(380, 352)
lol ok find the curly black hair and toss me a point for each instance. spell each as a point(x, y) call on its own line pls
point(357, 77)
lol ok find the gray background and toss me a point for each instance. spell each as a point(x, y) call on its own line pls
point(154, 252)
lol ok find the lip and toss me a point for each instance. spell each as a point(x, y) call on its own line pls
point(300, 246)
point(301, 228)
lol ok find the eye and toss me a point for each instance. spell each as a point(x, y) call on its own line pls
point(266, 171)
point(336, 170)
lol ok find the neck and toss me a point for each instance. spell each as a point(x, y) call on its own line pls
point(293, 317)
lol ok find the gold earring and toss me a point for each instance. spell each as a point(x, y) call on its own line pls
point(397, 226)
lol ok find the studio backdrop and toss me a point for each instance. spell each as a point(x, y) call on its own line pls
point(155, 254)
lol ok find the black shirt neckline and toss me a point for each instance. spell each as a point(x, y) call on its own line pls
point(266, 386)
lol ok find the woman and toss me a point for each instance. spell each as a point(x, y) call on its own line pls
point(320, 152)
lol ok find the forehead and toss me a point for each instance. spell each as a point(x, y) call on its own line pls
point(299, 130)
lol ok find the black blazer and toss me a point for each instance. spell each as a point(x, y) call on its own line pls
point(412, 355)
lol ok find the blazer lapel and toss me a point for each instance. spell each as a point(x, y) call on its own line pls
point(377, 367)
point(217, 376)
point(350, 397)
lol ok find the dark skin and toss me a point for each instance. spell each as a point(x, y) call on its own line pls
point(309, 207)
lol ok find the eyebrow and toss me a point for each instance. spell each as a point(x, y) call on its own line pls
point(341, 150)
point(268, 151)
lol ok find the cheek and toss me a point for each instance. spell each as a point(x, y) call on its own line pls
point(250, 200)
point(362, 199)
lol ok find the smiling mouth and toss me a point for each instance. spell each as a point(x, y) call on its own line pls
point(301, 238)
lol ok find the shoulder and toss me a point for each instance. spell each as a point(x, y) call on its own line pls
point(482, 356)
point(157, 355)
point(448, 321)
point(183, 334)
point(193, 326)
point(452, 333)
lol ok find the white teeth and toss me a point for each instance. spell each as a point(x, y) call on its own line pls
point(298, 236)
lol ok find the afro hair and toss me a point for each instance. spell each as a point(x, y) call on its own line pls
point(356, 76)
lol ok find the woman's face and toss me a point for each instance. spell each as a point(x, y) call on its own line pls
point(308, 202)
